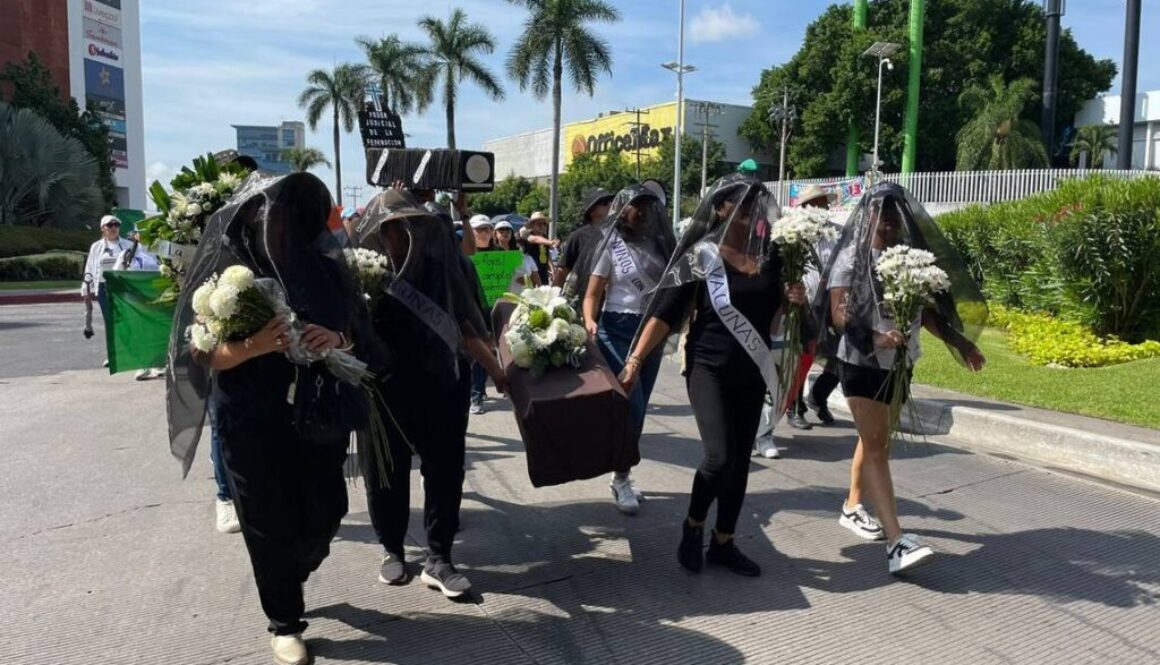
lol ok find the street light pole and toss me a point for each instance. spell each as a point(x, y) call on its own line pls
point(880, 50)
point(784, 130)
point(680, 112)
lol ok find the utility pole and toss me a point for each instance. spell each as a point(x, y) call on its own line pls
point(1053, 10)
point(706, 110)
point(1128, 85)
point(680, 69)
point(354, 191)
point(910, 153)
point(852, 151)
point(639, 138)
point(786, 115)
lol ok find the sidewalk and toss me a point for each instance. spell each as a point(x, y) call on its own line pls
point(107, 556)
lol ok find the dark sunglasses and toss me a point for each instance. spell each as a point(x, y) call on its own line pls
point(115, 225)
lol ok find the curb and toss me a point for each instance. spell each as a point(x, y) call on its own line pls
point(1110, 458)
point(39, 298)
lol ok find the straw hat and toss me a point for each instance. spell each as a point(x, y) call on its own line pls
point(812, 193)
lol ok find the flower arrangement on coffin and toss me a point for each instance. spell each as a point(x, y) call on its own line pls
point(910, 281)
point(236, 304)
point(544, 330)
point(370, 271)
point(797, 234)
point(196, 195)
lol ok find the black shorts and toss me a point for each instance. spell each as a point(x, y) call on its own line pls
point(867, 382)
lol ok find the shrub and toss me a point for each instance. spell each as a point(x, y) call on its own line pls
point(1046, 340)
point(58, 265)
point(26, 240)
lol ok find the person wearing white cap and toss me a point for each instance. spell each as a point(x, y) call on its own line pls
point(483, 229)
point(103, 255)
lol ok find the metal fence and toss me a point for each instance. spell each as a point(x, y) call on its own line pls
point(958, 188)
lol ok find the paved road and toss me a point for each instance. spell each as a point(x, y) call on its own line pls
point(107, 556)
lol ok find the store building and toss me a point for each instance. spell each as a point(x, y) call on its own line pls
point(1146, 135)
point(267, 143)
point(629, 133)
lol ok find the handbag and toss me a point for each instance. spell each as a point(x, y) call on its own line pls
point(326, 408)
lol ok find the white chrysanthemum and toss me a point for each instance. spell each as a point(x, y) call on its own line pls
point(224, 301)
point(229, 181)
point(217, 328)
point(239, 277)
point(578, 335)
point(194, 210)
point(201, 299)
point(560, 330)
point(178, 205)
point(203, 189)
point(201, 338)
point(521, 353)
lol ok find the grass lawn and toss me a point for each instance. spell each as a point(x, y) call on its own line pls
point(30, 286)
point(1124, 393)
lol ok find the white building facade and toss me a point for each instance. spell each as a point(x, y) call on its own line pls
point(1146, 134)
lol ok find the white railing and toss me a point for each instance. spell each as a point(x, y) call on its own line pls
point(957, 188)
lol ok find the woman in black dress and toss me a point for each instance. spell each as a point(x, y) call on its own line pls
point(725, 279)
point(286, 478)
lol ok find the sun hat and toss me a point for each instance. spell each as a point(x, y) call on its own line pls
point(748, 167)
point(539, 216)
point(594, 198)
point(657, 189)
point(813, 193)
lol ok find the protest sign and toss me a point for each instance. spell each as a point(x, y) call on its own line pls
point(495, 272)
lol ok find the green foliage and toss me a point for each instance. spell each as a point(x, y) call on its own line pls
point(302, 160)
point(394, 65)
point(998, 137)
point(342, 91)
point(504, 198)
point(26, 240)
point(966, 42)
point(537, 199)
point(1046, 340)
point(49, 266)
point(32, 88)
point(1097, 141)
point(46, 177)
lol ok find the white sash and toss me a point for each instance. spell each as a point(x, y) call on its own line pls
point(428, 312)
point(624, 264)
point(750, 338)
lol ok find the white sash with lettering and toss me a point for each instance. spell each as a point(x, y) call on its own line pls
point(624, 264)
point(750, 338)
point(428, 312)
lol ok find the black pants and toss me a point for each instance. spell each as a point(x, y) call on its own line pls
point(727, 405)
point(824, 385)
point(433, 418)
point(290, 496)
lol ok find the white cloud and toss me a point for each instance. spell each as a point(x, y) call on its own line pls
point(714, 25)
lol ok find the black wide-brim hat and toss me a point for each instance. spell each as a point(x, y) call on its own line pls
point(595, 198)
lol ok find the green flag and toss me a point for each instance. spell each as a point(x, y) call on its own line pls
point(137, 336)
point(495, 272)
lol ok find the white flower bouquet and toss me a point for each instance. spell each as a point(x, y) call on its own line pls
point(370, 269)
point(910, 281)
point(544, 331)
point(797, 234)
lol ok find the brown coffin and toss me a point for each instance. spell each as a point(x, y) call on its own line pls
point(574, 421)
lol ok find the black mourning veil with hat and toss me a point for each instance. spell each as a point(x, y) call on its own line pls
point(276, 227)
point(593, 198)
point(958, 314)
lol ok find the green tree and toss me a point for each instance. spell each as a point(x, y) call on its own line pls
point(46, 177)
point(395, 65)
point(504, 198)
point(556, 37)
point(452, 57)
point(966, 42)
point(612, 171)
point(32, 88)
point(998, 137)
point(535, 200)
point(342, 91)
point(304, 159)
point(1097, 141)
point(661, 168)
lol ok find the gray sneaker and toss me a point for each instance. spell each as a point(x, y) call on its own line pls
point(477, 407)
point(393, 570)
point(442, 575)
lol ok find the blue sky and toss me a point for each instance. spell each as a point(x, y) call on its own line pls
point(214, 63)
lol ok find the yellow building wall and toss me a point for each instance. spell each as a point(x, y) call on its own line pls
point(618, 133)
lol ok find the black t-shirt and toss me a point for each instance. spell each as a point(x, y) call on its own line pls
point(710, 343)
point(540, 255)
point(253, 395)
point(580, 242)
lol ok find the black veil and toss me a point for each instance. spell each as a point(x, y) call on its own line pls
point(276, 226)
point(959, 313)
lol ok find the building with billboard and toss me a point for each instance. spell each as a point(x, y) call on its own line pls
point(93, 49)
point(633, 132)
point(267, 143)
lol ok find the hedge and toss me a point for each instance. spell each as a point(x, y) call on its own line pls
point(1045, 340)
point(28, 240)
point(51, 266)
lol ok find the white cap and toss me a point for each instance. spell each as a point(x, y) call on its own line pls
point(480, 221)
point(504, 224)
point(109, 219)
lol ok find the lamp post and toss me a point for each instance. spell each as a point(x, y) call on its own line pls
point(680, 69)
point(880, 50)
point(706, 110)
point(785, 115)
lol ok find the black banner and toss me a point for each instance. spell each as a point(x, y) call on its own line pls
point(381, 129)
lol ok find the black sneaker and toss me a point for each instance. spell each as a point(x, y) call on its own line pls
point(729, 556)
point(442, 575)
point(393, 570)
point(822, 410)
point(691, 552)
point(797, 421)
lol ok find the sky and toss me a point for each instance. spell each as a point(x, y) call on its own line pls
point(211, 64)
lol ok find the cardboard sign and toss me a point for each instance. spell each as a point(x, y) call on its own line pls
point(495, 272)
point(381, 129)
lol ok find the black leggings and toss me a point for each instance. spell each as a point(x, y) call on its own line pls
point(433, 414)
point(727, 404)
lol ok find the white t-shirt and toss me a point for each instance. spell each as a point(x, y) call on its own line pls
point(843, 277)
point(103, 255)
point(528, 267)
point(628, 269)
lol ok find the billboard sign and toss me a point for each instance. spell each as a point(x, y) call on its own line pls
point(100, 33)
point(620, 133)
point(103, 13)
point(845, 193)
point(103, 80)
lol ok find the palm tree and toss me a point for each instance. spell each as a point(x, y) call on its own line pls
point(342, 91)
point(998, 137)
point(1097, 141)
point(453, 57)
point(556, 35)
point(303, 159)
point(395, 66)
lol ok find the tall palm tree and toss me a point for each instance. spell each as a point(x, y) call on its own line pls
point(302, 160)
point(1097, 141)
point(557, 35)
point(342, 91)
point(395, 66)
point(453, 57)
point(998, 137)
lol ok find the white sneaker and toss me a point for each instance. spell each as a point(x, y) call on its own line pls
point(767, 448)
point(227, 517)
point(625, 496)
point(907, 552)
point(862, 523)
point(290, 649)
point(142, 375)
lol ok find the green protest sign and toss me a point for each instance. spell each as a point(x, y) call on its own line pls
point(138, 332)
point(495, 272)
